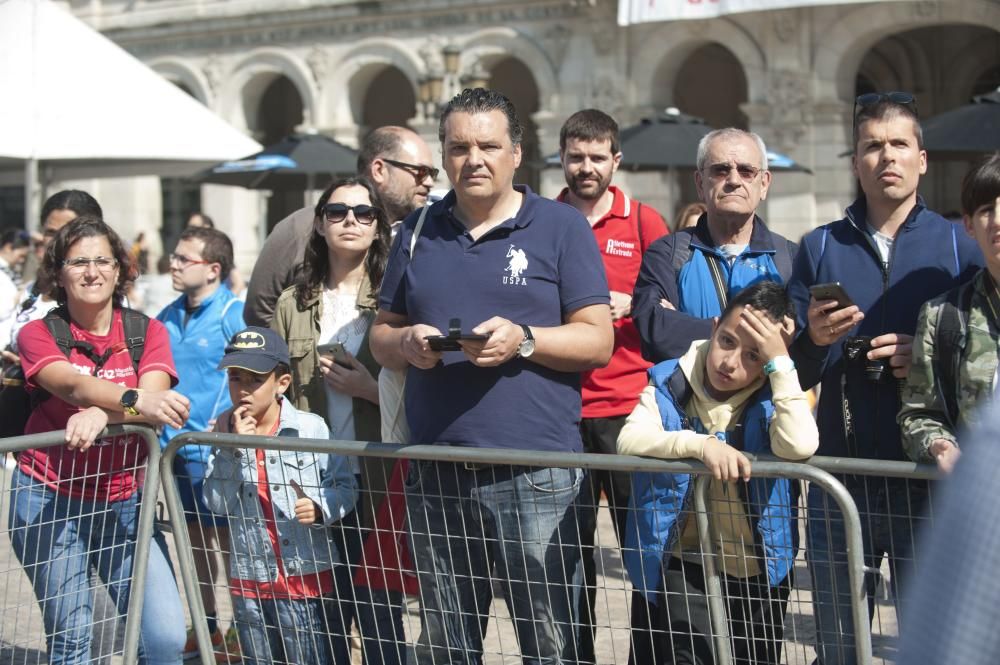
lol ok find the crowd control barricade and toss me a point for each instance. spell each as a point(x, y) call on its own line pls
point(22, 630)
point(476, 566)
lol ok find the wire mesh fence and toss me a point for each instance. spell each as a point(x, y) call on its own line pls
point(471, 555)
point(75, 537)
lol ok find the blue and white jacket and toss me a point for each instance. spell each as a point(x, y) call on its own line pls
point(661, 503)
point(231, 490)
point(197, 349)
point(688, 286)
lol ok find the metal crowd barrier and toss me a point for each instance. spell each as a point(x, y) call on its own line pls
point(498, 630)
point(21, 628)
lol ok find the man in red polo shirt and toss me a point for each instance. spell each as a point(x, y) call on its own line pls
point(590, 154)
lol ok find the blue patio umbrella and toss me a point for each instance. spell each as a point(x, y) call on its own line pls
point(967, 131)
point(299, 161)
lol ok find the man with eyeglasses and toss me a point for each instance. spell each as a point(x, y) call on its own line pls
point(200, 324)
point(890, 254)
point(396, 160)
point(687, 277)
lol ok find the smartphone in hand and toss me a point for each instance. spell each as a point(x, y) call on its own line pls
point(336, 352)
point(831, 291)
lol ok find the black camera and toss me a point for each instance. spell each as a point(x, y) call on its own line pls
point(856, 357)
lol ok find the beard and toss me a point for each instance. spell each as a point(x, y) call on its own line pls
point(591, 187)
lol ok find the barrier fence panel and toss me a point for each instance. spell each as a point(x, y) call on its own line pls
point(438, 554)
point(72, 563)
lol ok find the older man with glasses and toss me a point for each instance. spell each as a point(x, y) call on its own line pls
point(398, 163)
point(687, 277)
point(890, 254)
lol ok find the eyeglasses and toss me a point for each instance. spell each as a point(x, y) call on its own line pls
point(418, 171)
point(721, 171)
point(80, 264)
point(184, 261)
point(334, 213)
point(872, 98)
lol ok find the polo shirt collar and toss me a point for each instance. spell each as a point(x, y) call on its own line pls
point(621, 205)
point(523, 217)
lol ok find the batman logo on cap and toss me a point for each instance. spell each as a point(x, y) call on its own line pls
point(249, 340)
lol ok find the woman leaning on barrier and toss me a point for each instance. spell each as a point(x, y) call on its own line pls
point(77, 504)
point(326, 318)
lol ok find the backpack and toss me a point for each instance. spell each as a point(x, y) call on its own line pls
point(16, 403)
point(949, 344)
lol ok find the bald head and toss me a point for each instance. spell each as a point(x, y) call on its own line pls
point(399, 164)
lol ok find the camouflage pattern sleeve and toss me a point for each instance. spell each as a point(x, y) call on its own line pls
point(922, 418)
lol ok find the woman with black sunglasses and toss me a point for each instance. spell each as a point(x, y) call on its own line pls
point(326, 318)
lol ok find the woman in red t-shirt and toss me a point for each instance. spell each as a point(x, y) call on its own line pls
point(77, 504)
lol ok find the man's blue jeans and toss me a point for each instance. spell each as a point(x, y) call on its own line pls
point(890, 514)
point(304, 632)
point(56, 538)
point(522, 521)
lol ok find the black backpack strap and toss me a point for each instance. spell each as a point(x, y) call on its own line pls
point(681, 251)
point(949, 343)
point(57, 321)
point(134, 325)
point(715, 269)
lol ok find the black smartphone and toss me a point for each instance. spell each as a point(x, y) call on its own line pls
point(831, 291)
point(336, 352)
point(451, 343)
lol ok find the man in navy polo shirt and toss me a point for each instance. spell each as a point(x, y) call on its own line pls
point(525, 272)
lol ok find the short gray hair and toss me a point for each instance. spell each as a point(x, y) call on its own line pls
point(729, 133)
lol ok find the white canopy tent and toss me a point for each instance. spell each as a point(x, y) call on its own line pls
point(75, 105)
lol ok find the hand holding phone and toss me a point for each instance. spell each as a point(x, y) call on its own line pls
point(450, 342)
point(336, 352)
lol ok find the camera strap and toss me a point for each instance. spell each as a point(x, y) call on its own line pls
point(850, 435)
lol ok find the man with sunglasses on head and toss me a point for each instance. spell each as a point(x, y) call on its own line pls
point(890, 254)
point(687, 277)
point(200, 324)
point(396, 160)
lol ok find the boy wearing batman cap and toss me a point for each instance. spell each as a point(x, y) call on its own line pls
point(278, 503)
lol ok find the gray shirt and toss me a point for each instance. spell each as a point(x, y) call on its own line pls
point(277, 266)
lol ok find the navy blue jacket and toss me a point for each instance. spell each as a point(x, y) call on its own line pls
point(666, 333)
point(929, 256)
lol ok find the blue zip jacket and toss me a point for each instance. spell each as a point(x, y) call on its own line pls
point(231, 490)
point(667, 333)
point(197, 349)
point(929, 256)
point(661, 503)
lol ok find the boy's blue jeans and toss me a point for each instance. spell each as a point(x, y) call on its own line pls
point(521, 520)
point(56, 538)
point(306, 632)
point(890, 511)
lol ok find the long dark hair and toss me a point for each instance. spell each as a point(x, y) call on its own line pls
point(82, 227)
point(316, 262)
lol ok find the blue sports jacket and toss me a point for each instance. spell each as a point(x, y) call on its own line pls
point(197, 348)
point(661, 503)
point(929, 256)
point(667, 333)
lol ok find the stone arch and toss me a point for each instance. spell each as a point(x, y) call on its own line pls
point(355, 74)
point(251, 76)
point(975, 61)
point(661, 50)
point(845, 43)
point(493, 45)
point(182, 72)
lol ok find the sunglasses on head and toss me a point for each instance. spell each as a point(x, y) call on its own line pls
point(334, 213)
point(872, 98)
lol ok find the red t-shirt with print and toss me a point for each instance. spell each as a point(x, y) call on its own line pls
point(614, 390)
point(108, 469)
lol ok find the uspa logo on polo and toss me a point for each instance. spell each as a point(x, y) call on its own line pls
point(249, 340)
point(619, 248)
point(518, 264)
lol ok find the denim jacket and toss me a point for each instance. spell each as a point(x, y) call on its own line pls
point(231, 489)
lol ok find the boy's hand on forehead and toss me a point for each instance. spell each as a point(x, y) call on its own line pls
point(772, 338)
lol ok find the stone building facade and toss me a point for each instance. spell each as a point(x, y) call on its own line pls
point(341, 67)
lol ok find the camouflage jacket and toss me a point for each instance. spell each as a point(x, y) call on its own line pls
point(923, 416)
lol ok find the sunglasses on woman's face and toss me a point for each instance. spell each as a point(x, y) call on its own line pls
point(335, 213)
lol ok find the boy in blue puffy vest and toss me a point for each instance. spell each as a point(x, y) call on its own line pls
point(737, 391)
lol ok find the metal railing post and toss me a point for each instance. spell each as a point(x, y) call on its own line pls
point(713, 579)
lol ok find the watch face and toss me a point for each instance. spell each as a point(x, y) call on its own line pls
point(129, 398)
point(526, 348)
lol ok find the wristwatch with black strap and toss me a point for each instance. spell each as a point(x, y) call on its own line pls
point(527, 345)
point(128, 400)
